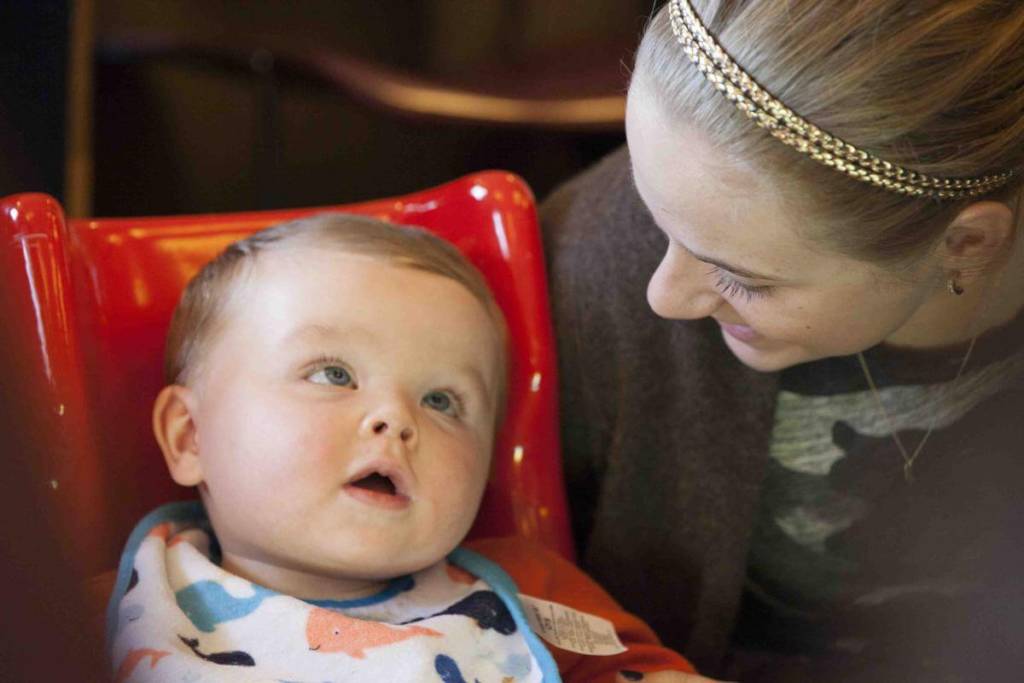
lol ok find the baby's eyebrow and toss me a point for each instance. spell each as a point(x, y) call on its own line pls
point(474, 376)
point(317, 332)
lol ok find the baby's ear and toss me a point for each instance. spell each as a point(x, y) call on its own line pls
point(175, 429)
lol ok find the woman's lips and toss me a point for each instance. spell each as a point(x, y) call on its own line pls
point(741, 332)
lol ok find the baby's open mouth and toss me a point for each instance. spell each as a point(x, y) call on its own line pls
point(376, 482)
point(374, 487)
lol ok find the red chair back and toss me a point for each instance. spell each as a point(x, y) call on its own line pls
point(92, 299)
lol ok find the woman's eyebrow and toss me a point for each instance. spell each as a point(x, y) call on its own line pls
point(735, 270)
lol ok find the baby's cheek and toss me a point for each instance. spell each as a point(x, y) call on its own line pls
point(477, 470)
point(475, 455)
point(313, 443)
point(462, 472)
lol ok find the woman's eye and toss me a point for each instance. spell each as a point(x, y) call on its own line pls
point(442, 402)
point(332, 374)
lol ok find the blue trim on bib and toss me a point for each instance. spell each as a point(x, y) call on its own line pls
point(394, 587)
point(502, 584)
point(182, 511)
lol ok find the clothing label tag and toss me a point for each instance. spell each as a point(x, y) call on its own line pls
point(571, 629)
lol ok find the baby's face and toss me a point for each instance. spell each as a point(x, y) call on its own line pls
point(344, 417)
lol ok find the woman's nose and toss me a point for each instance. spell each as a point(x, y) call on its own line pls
point(681, 288)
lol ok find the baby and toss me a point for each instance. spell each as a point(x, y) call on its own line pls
point(334, 388)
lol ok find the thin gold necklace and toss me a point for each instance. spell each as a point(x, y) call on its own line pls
point(910, 458)
point(954, 288)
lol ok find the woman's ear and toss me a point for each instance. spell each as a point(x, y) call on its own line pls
point(175, 429)
point(977, 240)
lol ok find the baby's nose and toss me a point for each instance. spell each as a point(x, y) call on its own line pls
point(383, 427)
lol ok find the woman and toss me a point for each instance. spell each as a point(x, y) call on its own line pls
point(811, 468)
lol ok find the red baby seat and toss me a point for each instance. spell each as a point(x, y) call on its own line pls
point(92, 299)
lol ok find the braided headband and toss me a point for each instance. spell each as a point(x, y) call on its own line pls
point(789, 127)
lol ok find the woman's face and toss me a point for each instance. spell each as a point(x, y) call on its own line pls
point(736, 253)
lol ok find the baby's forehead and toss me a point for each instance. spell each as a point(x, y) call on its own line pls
point(303, 280)
point(297, 261)
point(296, 281)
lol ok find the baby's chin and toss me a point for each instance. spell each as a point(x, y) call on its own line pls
point(347, 578)
point(379, 564)
point(316, 552)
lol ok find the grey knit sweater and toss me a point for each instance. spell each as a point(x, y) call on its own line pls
point(665, 433)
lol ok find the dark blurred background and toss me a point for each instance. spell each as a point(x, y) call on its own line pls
point(140, 107)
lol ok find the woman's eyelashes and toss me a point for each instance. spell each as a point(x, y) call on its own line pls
point(733, 288)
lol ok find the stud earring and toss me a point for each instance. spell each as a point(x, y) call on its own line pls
point(952, 285)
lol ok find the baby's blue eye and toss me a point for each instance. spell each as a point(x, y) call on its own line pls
point(440, 401)
point(332, 374)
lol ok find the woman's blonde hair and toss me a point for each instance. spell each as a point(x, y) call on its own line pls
point(933, 85)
